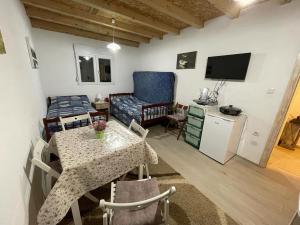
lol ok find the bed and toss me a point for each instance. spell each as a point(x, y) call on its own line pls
point(66, 106)
point(149, 103)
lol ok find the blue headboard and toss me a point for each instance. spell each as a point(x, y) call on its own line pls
point(154, 87)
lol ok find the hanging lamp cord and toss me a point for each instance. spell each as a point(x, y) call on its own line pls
point(113, 21)
point(114, 35)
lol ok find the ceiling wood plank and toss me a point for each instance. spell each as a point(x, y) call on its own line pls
point(36, 23)
point(228, 7)
point(282, 2)
point(174, 11)
point(68, 21)
point(120, 10)
point(101, 20)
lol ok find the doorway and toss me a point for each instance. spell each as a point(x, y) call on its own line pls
point(282, 151)
point(285, 156)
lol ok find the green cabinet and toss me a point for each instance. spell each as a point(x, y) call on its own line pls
point(193, 130)
point(195, 142)
point(196, 111)
point(195, 121)
point(194, 126)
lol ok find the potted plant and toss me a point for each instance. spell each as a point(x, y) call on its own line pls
point(99, 127)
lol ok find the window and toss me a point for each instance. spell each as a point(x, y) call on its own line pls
point(104, 70)
point(86, 65)
point(93, 68)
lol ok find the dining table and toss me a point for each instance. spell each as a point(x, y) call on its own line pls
point(88, 163)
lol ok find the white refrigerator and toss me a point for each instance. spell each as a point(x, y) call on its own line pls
point(221, 135)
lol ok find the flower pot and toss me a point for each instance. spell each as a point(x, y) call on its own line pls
point(100, 134)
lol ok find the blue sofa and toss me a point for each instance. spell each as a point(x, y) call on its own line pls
point(149, 103)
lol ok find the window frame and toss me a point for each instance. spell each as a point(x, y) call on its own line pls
point(101, 56)
point(80, 50)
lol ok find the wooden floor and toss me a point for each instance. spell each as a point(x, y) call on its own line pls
point(285, 161)
point(246, 192)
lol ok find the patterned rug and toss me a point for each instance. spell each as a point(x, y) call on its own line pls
point(188, 206)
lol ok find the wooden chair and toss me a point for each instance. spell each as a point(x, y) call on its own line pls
point(53, 169)
point(137, 202)
point(134, 126)
point(179, 117)
point(72, 119)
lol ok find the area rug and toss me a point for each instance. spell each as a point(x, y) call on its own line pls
point(188, 206)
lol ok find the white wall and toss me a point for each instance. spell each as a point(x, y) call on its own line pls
point(22, 105)
point(270, 31)
point(58, 68)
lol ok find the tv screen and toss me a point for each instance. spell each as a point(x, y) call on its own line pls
point(228, 67)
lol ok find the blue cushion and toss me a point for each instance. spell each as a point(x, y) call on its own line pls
point(154, 87)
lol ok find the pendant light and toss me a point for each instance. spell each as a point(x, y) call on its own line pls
point(113, 46)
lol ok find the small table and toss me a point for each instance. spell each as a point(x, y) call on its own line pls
point(102, 107)
point(89, 163)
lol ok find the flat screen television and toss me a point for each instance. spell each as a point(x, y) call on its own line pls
point(228, 67)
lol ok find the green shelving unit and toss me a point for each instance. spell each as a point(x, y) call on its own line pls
point(194, 126)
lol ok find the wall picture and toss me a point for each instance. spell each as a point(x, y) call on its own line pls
point(186, 60)
point(32, 54)
point(2, 47)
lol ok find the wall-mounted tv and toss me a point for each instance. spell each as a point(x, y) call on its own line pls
point(228, 67)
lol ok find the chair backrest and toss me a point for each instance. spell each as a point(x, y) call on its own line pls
point(73, 119)
point(138, 128)
point(37, 159)
point(108, 207)
point(137, 205)
point(181, 109)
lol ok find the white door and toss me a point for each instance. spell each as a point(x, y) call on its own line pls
point(215, 137)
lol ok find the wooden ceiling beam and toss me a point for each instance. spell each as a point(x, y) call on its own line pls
point(97, 19)
point(36, 23)
point(76, 23)
point(174, 11)
point(228, 7)
point(115, 8)
point(282, 2)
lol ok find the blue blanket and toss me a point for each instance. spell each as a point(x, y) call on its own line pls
point(69, 106)
point(126, 108)
point(149, 88)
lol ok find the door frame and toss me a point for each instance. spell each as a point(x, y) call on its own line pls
point(281, 114)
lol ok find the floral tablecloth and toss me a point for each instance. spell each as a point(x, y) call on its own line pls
point(89, 163)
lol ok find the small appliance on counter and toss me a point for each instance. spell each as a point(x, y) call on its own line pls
point(206, 98)
point(230, 110)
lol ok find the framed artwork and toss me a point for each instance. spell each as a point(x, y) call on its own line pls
point(32, 54)
point(186, 60)
point(2, 47)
